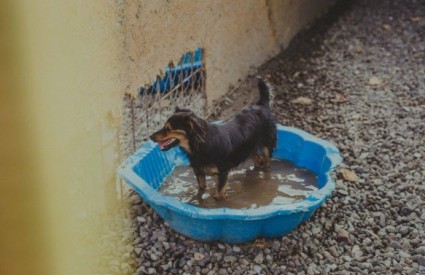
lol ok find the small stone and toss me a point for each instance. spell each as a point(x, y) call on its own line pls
point(403, 230)
point(420, 250)
point(328, 225)
point(316, 230)
point(356, 252)
point(339, 98)
point(141, 219)
point(367, 241)
point(405, 211)
point(342, 192)
point(374, 81)
point(198, 256)
point(230, 259)
point(382, 219)
point(395, 245)
point(154, 257)
point(346, 258)
point(404, 254)
point(142, 270)
point(165, 267)
point(358, 49)
point(343, 235)
point(259, 258)
point(138, 250)
point(348, 175)
point(221, 246)
point(356, 116)
point(390, 229)
point(416, 19)
point(276, 245)
point(257, 269)
point(236, 249)
point(166, 245)
point(328, 255)
point(365, 265)
point(334, 251)
point(302, 100)
point(420, 259)
point(244, 262)
point(386, 27)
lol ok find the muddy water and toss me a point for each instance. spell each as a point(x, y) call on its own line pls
point(246, 188)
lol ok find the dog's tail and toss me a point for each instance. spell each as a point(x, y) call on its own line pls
point(264, 90)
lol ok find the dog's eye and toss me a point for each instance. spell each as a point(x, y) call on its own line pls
point(167, 127)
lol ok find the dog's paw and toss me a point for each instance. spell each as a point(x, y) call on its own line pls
point(267, 168)
point(220, 196)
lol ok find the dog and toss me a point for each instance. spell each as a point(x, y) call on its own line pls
point(215, 148)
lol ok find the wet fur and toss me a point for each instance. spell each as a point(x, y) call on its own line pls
point(216, 148)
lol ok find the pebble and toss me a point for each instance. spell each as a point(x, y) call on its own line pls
point(154, 257)
point(259, 258)
point(257, 269)
point(395, 245)
point(236, 249)
point(420, 250)
point(404, 254)
point(420, 259)
point(244, 262)
point(221, 246)
point(343, 234)
point(229, 259)
point(198, 256)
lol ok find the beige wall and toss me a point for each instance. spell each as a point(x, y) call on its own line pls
point(237, 36)
point(70, 74)
point(74, 62)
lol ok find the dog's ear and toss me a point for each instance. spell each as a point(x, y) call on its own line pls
point(198, 129)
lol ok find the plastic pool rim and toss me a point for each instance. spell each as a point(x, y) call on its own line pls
point(173, 206)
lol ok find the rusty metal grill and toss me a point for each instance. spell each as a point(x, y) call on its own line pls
point(181, 85)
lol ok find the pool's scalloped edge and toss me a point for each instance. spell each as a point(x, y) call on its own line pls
point(147, 168)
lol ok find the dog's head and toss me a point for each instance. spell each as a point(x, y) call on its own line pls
point(183, 129)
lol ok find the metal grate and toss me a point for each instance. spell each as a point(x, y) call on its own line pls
point(181, 85)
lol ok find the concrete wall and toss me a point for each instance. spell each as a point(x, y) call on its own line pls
point(72, 63)
point(236, 35)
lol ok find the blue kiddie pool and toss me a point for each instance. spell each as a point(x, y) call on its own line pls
point(147, 168)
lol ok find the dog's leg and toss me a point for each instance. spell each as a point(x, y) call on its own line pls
point(221, 185)
point(266, 158)
point(258, 160)
point(200, 177)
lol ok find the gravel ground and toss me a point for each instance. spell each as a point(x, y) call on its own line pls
point(356, 78)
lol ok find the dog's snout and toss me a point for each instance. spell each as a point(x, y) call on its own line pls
point(152, 137)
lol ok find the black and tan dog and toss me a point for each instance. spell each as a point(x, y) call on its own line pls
point(216, 148)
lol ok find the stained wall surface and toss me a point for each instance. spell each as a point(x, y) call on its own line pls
point(73, 62)
point(69, 62)
point(237, 36)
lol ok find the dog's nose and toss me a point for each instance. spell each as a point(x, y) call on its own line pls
point(152, 137)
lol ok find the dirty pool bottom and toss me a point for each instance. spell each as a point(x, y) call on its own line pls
point(285, 183)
